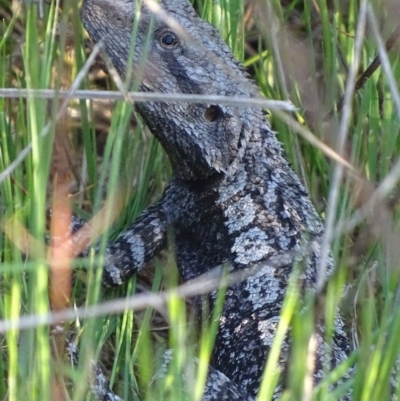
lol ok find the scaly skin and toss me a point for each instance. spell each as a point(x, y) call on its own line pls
point(233, 200)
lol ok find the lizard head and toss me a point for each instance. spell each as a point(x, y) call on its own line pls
point(173, 51)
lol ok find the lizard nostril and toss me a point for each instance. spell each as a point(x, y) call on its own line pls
point(212, 113)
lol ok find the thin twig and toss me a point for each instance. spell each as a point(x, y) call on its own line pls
point(202, 285)
point(316, 142)
point(240, 102)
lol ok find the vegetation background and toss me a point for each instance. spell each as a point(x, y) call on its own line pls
point(94, 157)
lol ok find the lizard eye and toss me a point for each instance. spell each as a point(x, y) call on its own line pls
point(168, 40)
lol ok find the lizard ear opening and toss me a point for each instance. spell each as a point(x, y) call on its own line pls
point(213, 113)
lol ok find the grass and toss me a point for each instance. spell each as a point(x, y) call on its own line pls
point(293, 50)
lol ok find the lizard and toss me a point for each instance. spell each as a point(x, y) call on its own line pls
point(233, 200)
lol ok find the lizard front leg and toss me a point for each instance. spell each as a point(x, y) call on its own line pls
point(135, 246)
point(140, 242)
